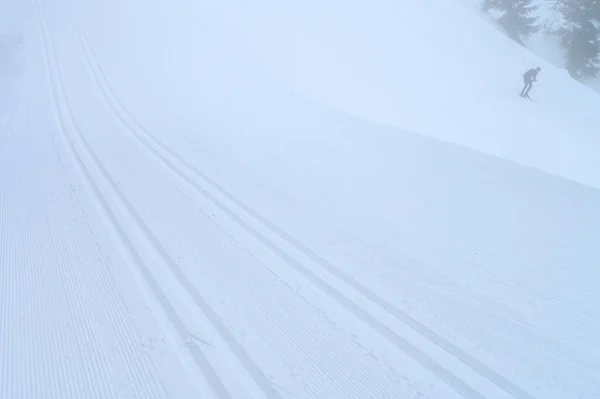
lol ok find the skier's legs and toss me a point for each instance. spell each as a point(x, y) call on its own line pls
point(528, 87)
point(526, 83)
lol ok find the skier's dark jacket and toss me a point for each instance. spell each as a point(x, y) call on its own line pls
point(531, 75)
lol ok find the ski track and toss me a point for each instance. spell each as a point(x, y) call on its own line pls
point(259, 224)
point(299, 323)
point(175, 325)
point(65, 330)
point(372, 384)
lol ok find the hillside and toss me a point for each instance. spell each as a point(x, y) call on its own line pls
point(321, 200)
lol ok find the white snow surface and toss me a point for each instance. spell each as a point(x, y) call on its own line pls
point(318, 199)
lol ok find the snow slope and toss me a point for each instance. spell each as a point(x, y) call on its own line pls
point(410, 66)
point(242, 200)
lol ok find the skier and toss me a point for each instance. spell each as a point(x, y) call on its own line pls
point(528, 78)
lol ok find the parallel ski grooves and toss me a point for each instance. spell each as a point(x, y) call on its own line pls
point(142, 135)
point(149, 387)
point(199, 358)
point(142, 272)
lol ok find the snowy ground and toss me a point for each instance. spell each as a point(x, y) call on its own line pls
point(203, 200)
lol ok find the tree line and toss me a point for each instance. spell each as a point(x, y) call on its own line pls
point(579, 31)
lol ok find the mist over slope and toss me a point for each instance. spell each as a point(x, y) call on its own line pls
point(435, 68)
point(322, 199)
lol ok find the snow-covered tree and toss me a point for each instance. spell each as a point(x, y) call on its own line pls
point(516, 17)
point(581, 37)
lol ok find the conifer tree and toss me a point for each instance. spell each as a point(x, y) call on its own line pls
point(516, 17)
point(581, 37)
